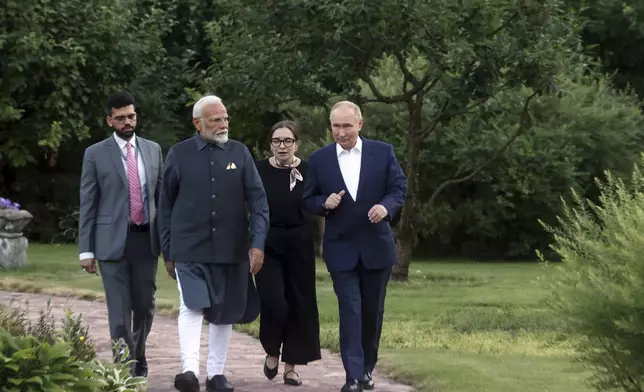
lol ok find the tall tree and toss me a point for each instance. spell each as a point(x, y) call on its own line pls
point(475, 59)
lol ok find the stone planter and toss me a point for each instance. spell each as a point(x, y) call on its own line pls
point(13, 244)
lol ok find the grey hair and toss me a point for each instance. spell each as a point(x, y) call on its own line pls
point(197, 109)
point(350, 104)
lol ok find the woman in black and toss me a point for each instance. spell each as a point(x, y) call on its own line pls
point(286, 283)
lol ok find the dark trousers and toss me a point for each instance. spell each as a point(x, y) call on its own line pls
point(286, 286)
point(361, 304)
point(130, 288)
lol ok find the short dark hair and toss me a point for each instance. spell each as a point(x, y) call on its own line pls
point(119, 100)
point(284, 124)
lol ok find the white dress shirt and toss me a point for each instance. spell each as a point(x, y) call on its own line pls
point(123, 146)
point(350, 162)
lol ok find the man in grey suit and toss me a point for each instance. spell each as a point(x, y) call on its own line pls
point(117, 225)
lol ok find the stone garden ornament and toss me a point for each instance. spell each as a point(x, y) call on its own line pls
point(13, 244)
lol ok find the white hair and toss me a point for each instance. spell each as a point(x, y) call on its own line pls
point(197, 109)
point(350, 104)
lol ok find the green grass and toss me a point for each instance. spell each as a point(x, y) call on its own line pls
point(455, 326)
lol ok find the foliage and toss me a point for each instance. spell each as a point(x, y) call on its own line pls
point(600, 290)
point(28, 364)
point(61, 59)
point(590, 128)
point(117, 377)
point(614, 33)
point(58, 357)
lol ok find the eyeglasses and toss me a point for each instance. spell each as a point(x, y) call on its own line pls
point(288, 142)
point(216, 120)
point(121, 119)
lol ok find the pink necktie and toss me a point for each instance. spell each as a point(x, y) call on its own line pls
point(136, 200)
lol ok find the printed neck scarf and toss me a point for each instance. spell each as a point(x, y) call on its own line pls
point(294, 175)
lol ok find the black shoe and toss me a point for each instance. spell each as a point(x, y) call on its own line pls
point(268, 372)
point(296, 382)
point(186, 382)
point(366, 381)
point(352, 386)
point(140, 370)
point(219, 384)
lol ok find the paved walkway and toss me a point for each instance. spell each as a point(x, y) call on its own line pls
point(245, 356)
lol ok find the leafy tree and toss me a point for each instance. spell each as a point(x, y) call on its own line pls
point(60, 60)
point(614, 33)
point(453, 59)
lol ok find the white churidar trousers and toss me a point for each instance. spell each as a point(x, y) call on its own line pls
point(190, 323)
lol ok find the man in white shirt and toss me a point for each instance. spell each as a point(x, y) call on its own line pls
point(358, 185)
point(117, 225)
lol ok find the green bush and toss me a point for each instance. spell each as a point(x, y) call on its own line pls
point(598, 290)
point(41, 357)
point(27, 364)
point(117, 377)
point(14, 319)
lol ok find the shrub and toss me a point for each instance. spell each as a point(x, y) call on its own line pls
point(598, 291)
point(27, 364)
point(116, 377)
point(41, 357)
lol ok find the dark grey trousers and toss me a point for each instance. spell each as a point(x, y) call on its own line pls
point(130, 288)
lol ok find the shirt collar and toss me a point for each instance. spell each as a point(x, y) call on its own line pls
point(357, 147)
point(122, 143)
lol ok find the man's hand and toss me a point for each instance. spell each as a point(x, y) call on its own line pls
point(169, 267)
point(89, 265)
point(377, 213)
point(333, 201)
point(256, 258)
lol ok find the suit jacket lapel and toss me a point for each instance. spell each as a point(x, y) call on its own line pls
point(147, 161)
point(117, 159)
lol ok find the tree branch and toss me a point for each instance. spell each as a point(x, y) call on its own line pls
point(523, 125)
point(405, 71)
point(504, 25)
point(418, 86)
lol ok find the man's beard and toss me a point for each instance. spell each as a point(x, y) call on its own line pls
point(219, 138)
point(125, 133)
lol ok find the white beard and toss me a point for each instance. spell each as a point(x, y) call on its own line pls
point(221, 138)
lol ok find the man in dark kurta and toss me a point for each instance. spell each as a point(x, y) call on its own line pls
point(213, 217)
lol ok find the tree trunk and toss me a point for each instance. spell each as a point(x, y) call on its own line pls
point(406, 237)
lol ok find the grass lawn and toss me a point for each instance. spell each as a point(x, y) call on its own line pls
point(455, 326)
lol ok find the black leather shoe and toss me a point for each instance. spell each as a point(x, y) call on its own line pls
point(219, 383)
point(186, 382)
point(352, 386)
point(268, 372)
point(140, 370)
point(366, 381)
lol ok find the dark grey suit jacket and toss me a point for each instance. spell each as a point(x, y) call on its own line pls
point(104, 198)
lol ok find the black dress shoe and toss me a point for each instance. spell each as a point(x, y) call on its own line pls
point(219, 383)
point(186, 382)
point(268, 372)
point(352, 386)
point(366, 381)
point(140, 370)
